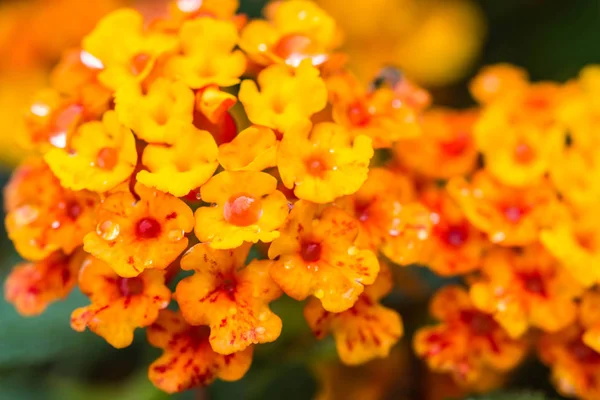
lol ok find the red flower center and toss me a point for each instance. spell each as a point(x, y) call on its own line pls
point(514, 213)
point(456, 235)
point(73, 210)
point(311, 251)
point(292, 45)
point(524, 154)
point(147, 228)
point(480, 324)
point(139, 62)
point(457, 146)
point(242, 210)
point(358, 114)
point(534, 283)
point(107, 158)
point(131, 286)
point(361, 210)
point(583, 353)
point(316, 165)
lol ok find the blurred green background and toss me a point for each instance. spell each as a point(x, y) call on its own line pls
point(42, 358)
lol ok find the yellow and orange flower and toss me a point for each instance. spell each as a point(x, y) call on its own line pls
point(188, 360)
point(324, 162)
point(446, 147)
point(119, 305)
point(497, 81)
point(524, 288)
point(287, 97)
point(157, 113)
point(315, 255)
point(99, 156)
point(125, 50)
point(182, 167)
point(589, 316)
point(367, 330)
point(467, 343)
point(247, 207)
point(32, 286)
point(575, 174)
point(135, 235)
point(574, 365)
point(382, 114)
point(232, 299)
point(43, 217)
point(296, 30)
point(455, 246)
point(253, 149)
point(207, 56)
point(509, 216)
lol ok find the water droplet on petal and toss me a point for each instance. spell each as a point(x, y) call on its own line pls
point(25, 215)
point(108, 230)
point(260, 330)
point(175, 235)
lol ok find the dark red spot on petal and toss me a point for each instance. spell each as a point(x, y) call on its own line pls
point(147, 228)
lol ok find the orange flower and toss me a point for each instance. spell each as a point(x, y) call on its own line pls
point(194, 8)
point(496, 81)
point(125, 50)
point(574, 365)
point(207, 56)
point(157, 114)
point(32, 286)
point(230, 297)
point(317, 256)
point(455, 246)
point(374, 208)
point(42, 217)
point(445, 149)
point(364, 332)
point(185, 166)
point(253, 149)
point(296, 30)
point(382, 113)
point(520, 155)
point(323, 163)
point(188, 360)
point(132, 236)
point(509, 216)
point(247, 208)
point(525, 288)
point(576, 244)
point(286, 98)
point(589, 316)
point(99, 156)
point(119, 305)
point(467, 343)
point(214, 104)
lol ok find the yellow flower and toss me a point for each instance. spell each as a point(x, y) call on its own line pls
point(324, 163)
point(253, 149)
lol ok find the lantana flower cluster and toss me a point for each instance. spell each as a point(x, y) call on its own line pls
point(190, 170)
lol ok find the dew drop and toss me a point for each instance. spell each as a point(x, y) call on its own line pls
point(175, 235)
point(25, 215)
point(260, 330)
point(108, 230)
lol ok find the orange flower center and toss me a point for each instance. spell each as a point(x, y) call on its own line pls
point(311, 251)
point(533, 282)
point(514, 213)
point(131, 286)
point(317, 165)
point(107, 158)
point(358, 114)
point(524, 154)
point(228, 288)
point(457, 146)
point(147, 228)
point(242, 210)
point(480, 324)
point(292, 45)
point(583, 353)
point(537, 102)
point(139, 62)
point(362, 211)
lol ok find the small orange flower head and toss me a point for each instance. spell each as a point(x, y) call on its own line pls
point(125, 50)
point(509, 216)
point(119, 305)
point(253, 149)
point(467, 343)
point(247, 207)
point(296, 30)
point(135, 235)
point(182, 167)
point(317, 256)
point(323, 163)
point(229, 297)
point(455, 245)
point(367, 330)
point(43, 217)
point(188, 360)
point(207, 56)
point(100, 156)
point(526, 287)
point(157, 114)
point(286, 98)
point(589, 316)
point(32, 286)
point(496, 81)
point(446, 147)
